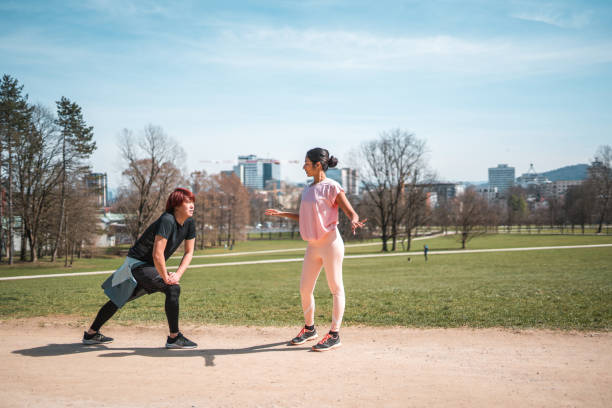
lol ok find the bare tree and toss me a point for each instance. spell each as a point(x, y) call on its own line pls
point(600, 177)
point(38, 173)
point(234, 200)
point(387, 165)
point(206, 207)
point(469, 212)
point(81, 205)
point(415, 212)
point(151, 175)
point(578, 205)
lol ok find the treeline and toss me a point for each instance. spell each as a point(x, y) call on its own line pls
point(44, 199)
point(397, 198)
point(47, 204)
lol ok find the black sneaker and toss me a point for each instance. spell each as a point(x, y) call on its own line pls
point(96, 338)
point(304, 336)
point(329, 342)
point(180, 342)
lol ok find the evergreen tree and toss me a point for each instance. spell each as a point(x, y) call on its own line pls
point(15, 124)
point(77, 145)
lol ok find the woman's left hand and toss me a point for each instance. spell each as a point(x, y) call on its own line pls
point(174, 278)
point(357, 224)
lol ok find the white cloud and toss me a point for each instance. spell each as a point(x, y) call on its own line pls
point(555, 14)
point(311, 49)
point(572, 21)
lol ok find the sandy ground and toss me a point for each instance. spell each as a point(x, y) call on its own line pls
point(43, 364)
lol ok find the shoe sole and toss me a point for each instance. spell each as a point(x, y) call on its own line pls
point(96, 342)
point(174, 346)
point(327, 349)
point(305, 340)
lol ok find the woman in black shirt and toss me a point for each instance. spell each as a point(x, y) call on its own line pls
point(147, 263)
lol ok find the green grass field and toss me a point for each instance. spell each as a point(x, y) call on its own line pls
point(558, 289)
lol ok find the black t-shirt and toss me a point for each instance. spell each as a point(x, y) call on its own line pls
point(167, 227)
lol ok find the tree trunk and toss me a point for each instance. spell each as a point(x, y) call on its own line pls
point(66, 244)
point(22, 254)
point(9, 249)
point(58, 235)
point(409, 238)
point(33, 247)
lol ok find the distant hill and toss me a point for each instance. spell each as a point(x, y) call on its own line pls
point(575, 172)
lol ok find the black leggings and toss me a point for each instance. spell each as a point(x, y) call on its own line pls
point(148, 282)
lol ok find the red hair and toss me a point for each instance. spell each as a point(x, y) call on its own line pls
point(178, 197)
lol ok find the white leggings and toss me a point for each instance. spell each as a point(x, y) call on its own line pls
point(327, 252)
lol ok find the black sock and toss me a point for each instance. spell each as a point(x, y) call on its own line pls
point(310, 328)
point(334, 333)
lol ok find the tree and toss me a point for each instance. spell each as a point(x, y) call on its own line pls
point(151, 175)
point(77, 145)
point(234, 200)
point(517, 207)
point(415, 211)
point(600, 177)
point(578, 205)
point(205, 206)
point(38, 173)
point(469, 212)
point(387, 165)
point(15, 123)
point(81, 210)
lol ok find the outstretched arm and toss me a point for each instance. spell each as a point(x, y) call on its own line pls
point(276, 213)
point(343, 203)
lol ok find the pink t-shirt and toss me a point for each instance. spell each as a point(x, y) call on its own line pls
point(318, 209)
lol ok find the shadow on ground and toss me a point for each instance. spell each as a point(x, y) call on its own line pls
point(53, 350)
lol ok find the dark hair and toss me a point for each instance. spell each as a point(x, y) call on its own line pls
point(318, 155)
point(178, 197)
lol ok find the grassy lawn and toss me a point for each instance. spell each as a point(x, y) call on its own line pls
point(560, 289)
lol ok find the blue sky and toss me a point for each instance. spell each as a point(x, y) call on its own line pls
point(483, 82)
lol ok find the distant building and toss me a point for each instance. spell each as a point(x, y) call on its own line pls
point(559, 188)
point(254, 172)
point(532, 179)
point(487, 193)
point(502, 178)
point(347, 177)
point(98, 184)
point(442, 192)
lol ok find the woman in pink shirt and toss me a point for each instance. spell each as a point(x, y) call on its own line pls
point(318, 219)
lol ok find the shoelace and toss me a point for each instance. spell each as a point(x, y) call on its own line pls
point(325, 338)
point(301, 333)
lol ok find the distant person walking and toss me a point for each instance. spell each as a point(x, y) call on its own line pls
point(425, 251)
point(144, 270)
point(318, 218)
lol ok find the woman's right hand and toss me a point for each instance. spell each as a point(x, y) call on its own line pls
point(273, 212)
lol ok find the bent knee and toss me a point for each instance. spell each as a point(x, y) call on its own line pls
point(173, 290)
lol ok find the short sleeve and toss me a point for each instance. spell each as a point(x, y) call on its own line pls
point(166, 224)
point(191, 232)
point(332, 193)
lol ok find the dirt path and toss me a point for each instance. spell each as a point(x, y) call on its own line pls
point(43, 364)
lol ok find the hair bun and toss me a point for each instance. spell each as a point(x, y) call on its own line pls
point(332, 162)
